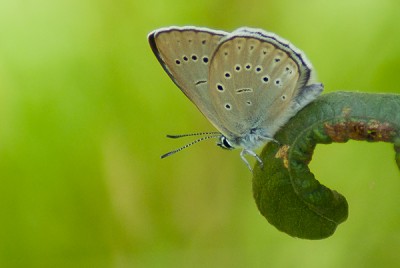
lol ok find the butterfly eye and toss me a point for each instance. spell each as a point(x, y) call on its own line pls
point(228, 106)
point(258, 69)
point(205, 59)
point(238, 68)
point(224, 143)
point(248, 66)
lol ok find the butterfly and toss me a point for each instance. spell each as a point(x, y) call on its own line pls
point(247, 83)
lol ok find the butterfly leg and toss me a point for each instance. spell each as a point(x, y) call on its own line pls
point(244, 152)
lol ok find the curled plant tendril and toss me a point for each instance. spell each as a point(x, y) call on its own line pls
point(286, 192)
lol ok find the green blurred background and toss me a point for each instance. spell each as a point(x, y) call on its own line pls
point(84, 109)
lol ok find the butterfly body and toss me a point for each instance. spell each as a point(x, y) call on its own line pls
point(247, 83)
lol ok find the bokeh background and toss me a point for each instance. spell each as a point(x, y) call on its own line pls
point(84, 109)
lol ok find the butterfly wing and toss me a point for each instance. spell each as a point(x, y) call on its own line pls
point(257, 82)
point(185, 54)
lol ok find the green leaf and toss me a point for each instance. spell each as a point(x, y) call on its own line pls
point(286, 192)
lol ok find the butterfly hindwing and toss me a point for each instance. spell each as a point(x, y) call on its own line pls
point(255, 78)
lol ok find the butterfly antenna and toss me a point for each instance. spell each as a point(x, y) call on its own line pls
point(190, 144)
point(192, 134)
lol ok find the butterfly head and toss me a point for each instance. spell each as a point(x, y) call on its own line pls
point(224, 143)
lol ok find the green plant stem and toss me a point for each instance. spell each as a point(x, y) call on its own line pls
point(286, 192)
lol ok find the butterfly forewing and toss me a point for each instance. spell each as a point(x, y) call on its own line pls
point(251, 80)
point(185, 53)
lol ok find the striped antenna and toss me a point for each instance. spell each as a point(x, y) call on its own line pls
point(216, 135)
point(192, 134)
